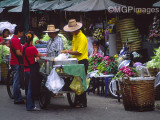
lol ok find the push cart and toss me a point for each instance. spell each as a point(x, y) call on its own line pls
point(47, 64)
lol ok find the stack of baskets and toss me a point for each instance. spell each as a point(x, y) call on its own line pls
point(138, 93)
point(126, 30)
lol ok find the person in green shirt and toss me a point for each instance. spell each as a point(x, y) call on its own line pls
point(80, 51)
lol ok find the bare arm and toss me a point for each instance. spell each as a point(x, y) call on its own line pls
point(18, 52)
point(38, 55)
point(71, 52)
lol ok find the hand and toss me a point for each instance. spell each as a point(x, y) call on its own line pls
point(37, 59)
point(64, 51)
point(37, 41)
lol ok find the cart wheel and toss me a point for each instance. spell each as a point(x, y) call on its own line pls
point(71, 99)
point(10, 83)
point(45, 94)
point(44, 98)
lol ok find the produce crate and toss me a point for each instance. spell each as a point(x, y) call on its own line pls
point(138, 93)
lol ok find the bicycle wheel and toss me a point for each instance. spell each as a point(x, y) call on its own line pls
point(10, 83)
point(71, 99)
point(45, 96)
point(113, 89)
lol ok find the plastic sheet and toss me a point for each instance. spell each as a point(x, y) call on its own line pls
point(54, 83)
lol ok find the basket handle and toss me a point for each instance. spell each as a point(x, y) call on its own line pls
point(125, 80)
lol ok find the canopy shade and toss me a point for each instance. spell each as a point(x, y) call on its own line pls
point(66, 4)
point(1, 10)
point(10, 3)
point(19, 8)
point(92, 5)
point(157, 4)
point(47, 5)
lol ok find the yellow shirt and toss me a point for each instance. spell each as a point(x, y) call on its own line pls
point(80, 44)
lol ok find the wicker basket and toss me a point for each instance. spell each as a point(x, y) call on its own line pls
point(3, 71)
point(153, 71)
point(157, 92)
point(138, 95)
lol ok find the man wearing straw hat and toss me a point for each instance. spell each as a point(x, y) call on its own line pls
point(79, 50)
point(55, 44)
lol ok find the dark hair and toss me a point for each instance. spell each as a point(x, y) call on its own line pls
point(5, 30)
point(96, 42)
point(29, 37)
point(19, 29)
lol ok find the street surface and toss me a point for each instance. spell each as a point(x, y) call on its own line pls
point(99, 108)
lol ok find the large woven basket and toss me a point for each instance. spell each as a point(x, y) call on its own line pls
point(138, 95)
point(3, 71)
point(153, 71)
point(157, 92)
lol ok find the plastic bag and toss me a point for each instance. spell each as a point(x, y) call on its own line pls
point(54, 82)
point(76, 85)
point(142, 71)
point(61, 57)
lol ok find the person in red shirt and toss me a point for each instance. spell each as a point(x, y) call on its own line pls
point(16, 54)
point(30, 53)
point(5, 34)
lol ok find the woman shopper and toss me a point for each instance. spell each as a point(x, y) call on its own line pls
point(5, 34)
point(80, 51)
point(29, 54)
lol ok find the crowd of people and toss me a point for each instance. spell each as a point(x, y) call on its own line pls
point(24, 59)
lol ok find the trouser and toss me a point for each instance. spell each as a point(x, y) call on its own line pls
point(82, 98)
point(30, 101)
point(16, 83)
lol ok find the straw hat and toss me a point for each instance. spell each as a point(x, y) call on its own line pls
point(51, 29)
point(72, 26)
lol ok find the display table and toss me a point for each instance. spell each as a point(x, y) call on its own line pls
point(100, 81)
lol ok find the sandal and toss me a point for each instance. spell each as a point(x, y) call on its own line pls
point(80, 105)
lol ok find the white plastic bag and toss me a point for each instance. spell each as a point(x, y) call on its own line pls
point(61, 57)
point(54, 82)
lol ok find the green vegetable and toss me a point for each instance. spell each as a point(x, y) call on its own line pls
point(155, 62)
point(67, 44)
point(6, 51)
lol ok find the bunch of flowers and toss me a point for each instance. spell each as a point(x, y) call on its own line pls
point(98, 34)
point(94, 61)
point(108, 66)
point(126, 72)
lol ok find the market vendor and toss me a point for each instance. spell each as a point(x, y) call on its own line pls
point(80, 51)
point(5, 34)
point(55, 44)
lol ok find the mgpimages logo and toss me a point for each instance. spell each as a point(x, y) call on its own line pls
point(129, 9)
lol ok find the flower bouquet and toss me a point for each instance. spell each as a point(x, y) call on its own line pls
point(108, 66)
point(94, 61)
point(126, 72)
point(98, 34)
